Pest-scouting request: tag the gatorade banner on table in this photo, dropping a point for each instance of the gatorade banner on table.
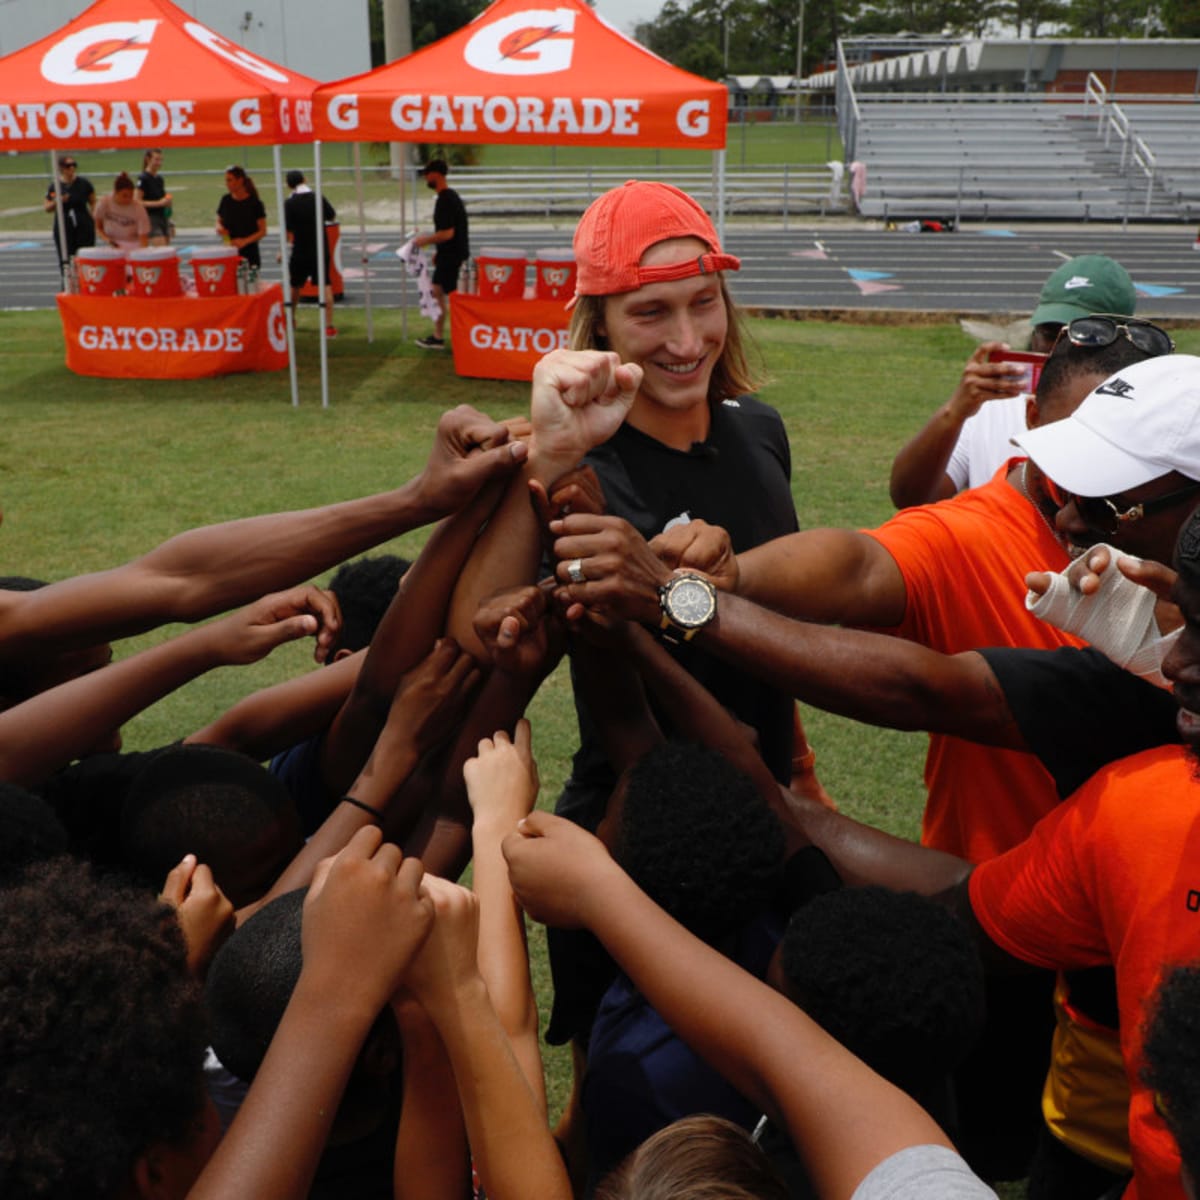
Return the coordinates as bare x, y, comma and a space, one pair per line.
124, 337
503, 339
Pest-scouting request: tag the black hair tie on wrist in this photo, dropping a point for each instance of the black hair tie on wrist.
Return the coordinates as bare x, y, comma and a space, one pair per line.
367, 808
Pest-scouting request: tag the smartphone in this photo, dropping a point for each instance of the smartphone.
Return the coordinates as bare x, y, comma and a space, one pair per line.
1026, 358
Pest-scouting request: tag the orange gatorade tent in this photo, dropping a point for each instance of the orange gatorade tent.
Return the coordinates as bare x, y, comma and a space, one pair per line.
143, 72
532, 75
138, 73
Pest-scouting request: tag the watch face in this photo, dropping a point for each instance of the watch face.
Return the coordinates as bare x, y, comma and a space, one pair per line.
690, 603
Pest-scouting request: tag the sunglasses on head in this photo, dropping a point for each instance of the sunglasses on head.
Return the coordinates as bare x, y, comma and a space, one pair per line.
1102, 329
1103, 515
66, 165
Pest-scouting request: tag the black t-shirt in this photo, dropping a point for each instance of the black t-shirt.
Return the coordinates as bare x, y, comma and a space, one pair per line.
450, 213
77, 213
152, 187
300, 220
1078, 711
738, 478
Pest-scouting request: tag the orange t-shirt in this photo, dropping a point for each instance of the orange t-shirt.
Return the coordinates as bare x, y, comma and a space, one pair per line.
1111, 876
964, 562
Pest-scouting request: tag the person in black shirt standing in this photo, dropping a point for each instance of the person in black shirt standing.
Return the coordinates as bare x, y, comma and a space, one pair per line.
300, 221
78, 200
452, 241
241, 217
152, 192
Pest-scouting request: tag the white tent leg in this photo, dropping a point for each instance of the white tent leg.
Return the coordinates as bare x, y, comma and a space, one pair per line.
319, 213
288, 312
403, 239
719, 169
362, 239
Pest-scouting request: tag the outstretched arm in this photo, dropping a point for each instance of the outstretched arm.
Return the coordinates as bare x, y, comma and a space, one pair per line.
56, 726
842, 1117
209, 570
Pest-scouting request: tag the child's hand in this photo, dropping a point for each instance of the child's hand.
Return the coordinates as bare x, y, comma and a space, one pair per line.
204, 912
447, 959
502, 778
432, 697
365, 917
557, 870
253, 632
511, 625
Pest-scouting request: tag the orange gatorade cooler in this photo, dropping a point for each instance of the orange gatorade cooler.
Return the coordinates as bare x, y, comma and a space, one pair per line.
216, 271
154, 273
555, 274
101, 270
501, 273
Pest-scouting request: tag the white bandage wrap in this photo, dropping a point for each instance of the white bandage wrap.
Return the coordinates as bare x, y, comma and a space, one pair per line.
1117, 619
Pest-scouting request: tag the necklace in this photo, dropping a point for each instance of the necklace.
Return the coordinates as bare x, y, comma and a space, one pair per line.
1023, 488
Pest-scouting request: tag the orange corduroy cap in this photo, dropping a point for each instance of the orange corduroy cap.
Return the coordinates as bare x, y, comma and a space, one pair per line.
620, 226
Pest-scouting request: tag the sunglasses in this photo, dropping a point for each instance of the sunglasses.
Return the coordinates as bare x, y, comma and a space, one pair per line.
1102, 329
67, 166
1103, 515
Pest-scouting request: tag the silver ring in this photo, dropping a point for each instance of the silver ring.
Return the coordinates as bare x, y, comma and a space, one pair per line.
575, 571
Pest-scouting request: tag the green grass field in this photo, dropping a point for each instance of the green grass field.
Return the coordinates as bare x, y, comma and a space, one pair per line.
92, 472
195, 176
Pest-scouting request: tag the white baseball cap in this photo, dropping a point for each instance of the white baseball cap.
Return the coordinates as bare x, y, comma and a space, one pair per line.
1139, 424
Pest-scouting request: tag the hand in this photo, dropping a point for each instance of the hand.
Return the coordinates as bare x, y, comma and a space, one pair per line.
447, 960
253, 632
511, 626
204, 913
982, 381
579, 399
700, 547
622, 574
1086, 573
365, 918
502, 778
469, 449
557, 870
432, 697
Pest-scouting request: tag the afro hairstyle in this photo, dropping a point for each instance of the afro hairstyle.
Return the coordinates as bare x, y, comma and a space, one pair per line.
698, 839
217, 805
29, 830
894, 976
1171, 1059
102, 1032
365, 588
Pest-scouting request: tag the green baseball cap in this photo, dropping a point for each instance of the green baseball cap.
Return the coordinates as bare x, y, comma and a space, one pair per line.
1089, 284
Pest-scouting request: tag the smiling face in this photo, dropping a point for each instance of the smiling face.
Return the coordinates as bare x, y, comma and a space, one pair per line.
675, 332
234, 184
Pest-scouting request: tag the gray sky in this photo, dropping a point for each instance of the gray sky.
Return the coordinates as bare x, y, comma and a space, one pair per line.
625, 14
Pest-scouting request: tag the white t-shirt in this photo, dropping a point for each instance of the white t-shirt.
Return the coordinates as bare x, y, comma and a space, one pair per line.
985, 444
923, 1173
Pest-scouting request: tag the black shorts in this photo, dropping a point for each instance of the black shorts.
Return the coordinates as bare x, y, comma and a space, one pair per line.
445, 275
159, 226
302, 268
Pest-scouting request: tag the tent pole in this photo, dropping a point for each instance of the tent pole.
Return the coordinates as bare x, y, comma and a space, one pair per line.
62, 224
719, 168
322, 271
288, 311
362, 239
403, 239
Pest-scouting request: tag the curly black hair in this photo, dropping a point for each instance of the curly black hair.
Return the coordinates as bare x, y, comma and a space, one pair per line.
1171, 1058
894, 976
102, 1032
696, 836
364, 589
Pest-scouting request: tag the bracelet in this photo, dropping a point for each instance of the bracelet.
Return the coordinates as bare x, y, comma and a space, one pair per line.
367, 808
805, 761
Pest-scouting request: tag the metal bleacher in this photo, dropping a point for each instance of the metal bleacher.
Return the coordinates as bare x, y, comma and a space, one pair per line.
1014, 156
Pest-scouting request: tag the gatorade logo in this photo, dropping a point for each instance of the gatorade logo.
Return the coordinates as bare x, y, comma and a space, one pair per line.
536, 41
277, 328
112, 52
234, 53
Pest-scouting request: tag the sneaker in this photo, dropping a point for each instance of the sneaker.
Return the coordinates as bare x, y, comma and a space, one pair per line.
431, 343
330, 331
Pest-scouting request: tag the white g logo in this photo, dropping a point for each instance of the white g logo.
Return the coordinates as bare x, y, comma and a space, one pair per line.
109, 53
537, 41
692, 118
276, 329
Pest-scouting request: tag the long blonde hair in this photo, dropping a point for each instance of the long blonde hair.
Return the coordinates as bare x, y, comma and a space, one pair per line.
731, 376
